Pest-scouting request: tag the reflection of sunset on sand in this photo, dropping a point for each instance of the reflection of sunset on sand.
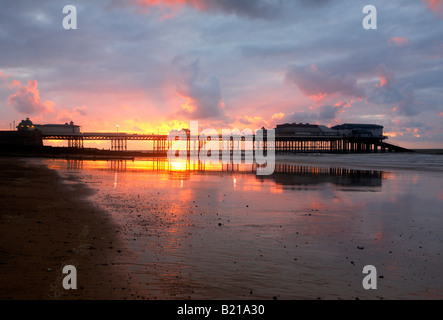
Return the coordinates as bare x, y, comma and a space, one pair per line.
218, 232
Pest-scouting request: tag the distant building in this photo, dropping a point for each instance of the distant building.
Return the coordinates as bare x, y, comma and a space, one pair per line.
303, 130
25, 125
49, 129
359, 130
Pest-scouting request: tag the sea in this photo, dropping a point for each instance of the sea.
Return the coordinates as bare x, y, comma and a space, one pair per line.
307, 231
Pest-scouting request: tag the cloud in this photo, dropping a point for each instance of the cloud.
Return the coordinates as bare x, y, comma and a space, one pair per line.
80, 110
67, 115
408, 104
325, 113
3, 76
253, 121
389, 92
278, 116
253, 9
203, 95
316, 83
27, 100
256, 9
385, 75
399, 41
435, 5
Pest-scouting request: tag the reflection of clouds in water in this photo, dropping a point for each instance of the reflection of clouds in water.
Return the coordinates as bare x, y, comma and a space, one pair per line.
215, 232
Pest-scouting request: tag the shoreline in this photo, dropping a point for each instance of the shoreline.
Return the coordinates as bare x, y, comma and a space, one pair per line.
47, 222
360, 162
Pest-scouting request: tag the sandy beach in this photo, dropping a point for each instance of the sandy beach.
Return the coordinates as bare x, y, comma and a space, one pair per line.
150, 229
46, 224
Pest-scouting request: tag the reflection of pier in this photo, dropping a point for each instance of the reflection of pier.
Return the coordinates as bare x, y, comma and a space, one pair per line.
161, 144
74, 164
284, 174
115, 165
118, 165
288, 174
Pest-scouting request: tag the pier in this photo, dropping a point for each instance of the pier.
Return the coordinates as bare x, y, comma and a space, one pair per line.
281, 145
288, 138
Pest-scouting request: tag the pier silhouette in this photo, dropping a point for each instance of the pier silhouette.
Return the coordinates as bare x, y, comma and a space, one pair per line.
289, 138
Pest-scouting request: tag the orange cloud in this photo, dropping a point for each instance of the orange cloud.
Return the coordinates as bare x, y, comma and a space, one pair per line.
434, 5
189, 106
251, 9
399, 41
169, 7
27, 100
385, 76
414, 132
343, 104
393, 134
440, 114
251, 122
278, 116
172, 5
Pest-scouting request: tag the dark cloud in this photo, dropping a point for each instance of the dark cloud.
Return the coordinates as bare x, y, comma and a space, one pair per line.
203, 94
252, 9
255, 9
321, 114
314, 82
408, 105
401, 99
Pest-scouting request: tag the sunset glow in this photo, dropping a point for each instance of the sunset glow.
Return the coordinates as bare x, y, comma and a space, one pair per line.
159, 64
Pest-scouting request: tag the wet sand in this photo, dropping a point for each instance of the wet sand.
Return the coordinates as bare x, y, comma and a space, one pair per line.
374, 161
171, 234
303, 234
46, 224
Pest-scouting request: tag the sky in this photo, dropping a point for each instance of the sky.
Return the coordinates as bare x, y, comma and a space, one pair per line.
155, 65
